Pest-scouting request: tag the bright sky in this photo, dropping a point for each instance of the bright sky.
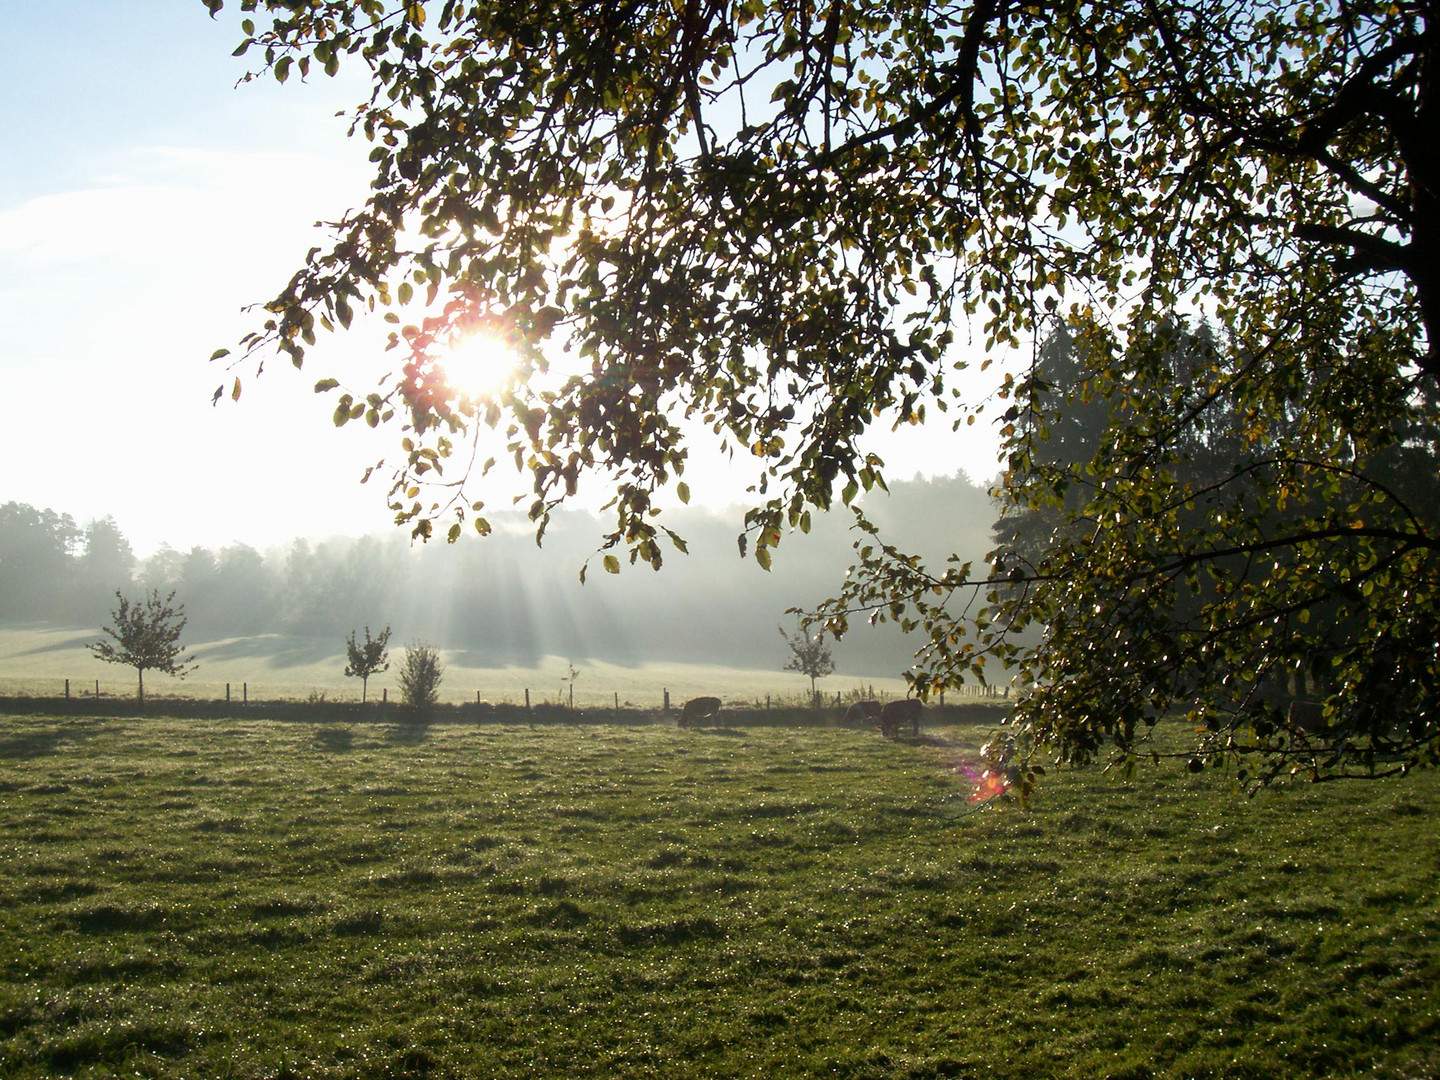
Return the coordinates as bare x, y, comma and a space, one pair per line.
144, 201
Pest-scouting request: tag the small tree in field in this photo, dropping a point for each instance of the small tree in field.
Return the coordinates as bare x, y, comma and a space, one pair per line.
146, 637
420, 676
808, 655
368, 659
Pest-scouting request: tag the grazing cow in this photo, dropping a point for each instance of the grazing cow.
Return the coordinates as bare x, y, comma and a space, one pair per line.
862, 713
697, 710
1307, 717
897, 713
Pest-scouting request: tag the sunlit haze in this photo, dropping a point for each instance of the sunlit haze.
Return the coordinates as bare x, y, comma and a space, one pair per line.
145, 200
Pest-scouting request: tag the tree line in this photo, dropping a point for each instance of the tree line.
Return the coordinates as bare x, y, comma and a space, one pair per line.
501, 601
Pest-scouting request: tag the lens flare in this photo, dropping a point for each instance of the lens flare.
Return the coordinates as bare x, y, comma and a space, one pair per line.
988, 785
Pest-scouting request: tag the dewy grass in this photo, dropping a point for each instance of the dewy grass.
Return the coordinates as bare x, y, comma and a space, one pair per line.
267, 900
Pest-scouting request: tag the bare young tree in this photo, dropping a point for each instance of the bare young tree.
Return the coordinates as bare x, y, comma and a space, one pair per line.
146, 637
808, 655
367, 659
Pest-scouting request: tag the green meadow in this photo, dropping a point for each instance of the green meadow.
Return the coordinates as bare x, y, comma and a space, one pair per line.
273, 900
37, 662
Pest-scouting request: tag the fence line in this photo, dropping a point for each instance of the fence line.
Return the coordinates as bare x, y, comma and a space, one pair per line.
246, 692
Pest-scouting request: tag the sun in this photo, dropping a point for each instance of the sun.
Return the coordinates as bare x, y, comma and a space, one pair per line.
480, 364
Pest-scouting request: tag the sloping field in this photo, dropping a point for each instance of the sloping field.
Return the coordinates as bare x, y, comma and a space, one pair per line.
267, 899
38, 661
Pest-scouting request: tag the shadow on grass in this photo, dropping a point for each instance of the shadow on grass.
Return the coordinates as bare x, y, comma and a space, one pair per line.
929, 740
274, 649
334, 738
500, 655
408, 730
79, 641
20, 746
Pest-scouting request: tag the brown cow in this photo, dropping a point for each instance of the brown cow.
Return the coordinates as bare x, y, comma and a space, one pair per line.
894, 714
697, 710
862, 713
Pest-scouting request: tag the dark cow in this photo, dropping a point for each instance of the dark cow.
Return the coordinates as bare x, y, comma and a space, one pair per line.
862, 713
1307, 717
895, 714
697, 710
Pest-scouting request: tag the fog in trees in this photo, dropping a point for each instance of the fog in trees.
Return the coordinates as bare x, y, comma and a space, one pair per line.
499, 600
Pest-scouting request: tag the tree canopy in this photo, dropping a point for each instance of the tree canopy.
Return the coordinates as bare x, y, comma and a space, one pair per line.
146, 636
368, 658
791, 222
809, 655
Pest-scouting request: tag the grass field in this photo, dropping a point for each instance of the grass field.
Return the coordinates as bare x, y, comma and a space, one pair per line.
37, 661
279, 900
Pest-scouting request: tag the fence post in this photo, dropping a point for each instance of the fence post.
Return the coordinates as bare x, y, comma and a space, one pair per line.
667, 699
245, 693
67, 689
97, 688
227, 693
617, 700
384, 695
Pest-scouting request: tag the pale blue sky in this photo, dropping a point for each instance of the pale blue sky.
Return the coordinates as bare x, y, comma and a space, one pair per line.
144, 199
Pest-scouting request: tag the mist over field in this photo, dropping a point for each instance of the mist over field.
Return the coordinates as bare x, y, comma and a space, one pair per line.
492, 603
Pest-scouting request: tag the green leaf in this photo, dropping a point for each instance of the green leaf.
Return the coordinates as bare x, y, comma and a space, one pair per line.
612, 564
326, 384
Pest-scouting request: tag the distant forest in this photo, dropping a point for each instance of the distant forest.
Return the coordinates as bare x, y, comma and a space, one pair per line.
497, 600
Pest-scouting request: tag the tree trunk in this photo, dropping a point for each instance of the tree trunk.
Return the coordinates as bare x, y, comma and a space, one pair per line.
141, 672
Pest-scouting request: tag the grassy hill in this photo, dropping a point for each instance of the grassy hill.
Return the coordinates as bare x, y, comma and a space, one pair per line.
37, 661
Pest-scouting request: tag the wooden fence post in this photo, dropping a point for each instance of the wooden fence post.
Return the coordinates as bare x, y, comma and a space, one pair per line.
97, 688
67, 689
245, 693
227, 693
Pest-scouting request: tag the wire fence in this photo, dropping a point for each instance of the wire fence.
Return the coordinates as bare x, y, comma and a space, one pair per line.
641, 696
113, 697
